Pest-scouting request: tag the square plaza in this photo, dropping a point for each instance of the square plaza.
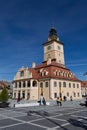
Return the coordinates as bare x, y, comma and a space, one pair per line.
69, 116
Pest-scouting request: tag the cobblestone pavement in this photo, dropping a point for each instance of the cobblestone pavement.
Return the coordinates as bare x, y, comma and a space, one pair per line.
69, 116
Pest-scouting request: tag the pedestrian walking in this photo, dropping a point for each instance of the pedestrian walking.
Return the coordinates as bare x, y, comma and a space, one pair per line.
58, 101
44, 101
71, 98
41, 99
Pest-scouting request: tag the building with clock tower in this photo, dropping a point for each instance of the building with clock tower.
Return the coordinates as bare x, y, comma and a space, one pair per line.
53, 48
51, 78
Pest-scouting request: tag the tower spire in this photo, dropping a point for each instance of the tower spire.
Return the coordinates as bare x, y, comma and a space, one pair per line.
53, 34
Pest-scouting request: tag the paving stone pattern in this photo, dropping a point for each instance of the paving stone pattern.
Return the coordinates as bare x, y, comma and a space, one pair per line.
66, 117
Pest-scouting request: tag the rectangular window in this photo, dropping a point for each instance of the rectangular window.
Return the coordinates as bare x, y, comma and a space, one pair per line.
74, 94
46, 84
73, 85
67, 94
69, 85
55, 84
77, 85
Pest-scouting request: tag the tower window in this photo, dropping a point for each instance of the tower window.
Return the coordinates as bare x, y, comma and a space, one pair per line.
48, 55
49, 47
59, 47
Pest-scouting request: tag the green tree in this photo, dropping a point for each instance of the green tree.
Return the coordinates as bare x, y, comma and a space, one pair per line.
0, 96
4, 95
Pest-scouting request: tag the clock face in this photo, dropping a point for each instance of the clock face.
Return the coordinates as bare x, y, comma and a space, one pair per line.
49, 47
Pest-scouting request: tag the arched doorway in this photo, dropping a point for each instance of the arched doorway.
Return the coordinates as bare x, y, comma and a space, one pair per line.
23, 94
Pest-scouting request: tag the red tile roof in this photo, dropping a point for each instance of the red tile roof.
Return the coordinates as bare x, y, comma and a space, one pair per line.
51, 69
43, 71
84, 84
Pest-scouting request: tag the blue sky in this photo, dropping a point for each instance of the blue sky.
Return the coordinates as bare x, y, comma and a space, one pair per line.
25, 25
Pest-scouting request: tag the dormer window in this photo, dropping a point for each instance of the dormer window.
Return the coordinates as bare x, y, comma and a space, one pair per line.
22, 74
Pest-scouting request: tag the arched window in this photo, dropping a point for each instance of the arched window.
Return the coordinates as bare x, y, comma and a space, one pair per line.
21, 73
73, 85
64, 84
34, 83
23, 83
19, 84
67, 94
28, 83
74, 94
15, 85
23, 94
69, 85
78, 94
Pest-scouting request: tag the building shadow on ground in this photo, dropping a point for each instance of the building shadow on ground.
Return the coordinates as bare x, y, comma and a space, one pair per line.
78, 123
46, 115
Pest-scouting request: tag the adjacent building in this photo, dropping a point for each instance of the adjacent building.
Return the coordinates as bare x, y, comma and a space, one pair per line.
51, 78
4, 84
84, 88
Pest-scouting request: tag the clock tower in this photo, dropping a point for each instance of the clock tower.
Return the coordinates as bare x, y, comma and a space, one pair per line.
53, 48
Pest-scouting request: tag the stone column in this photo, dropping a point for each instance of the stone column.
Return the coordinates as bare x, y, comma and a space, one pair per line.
26, 94
17, 94
21, 93
31, 83
26, 84
17, 84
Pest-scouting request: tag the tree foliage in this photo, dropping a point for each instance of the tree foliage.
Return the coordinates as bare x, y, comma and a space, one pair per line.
4, 95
